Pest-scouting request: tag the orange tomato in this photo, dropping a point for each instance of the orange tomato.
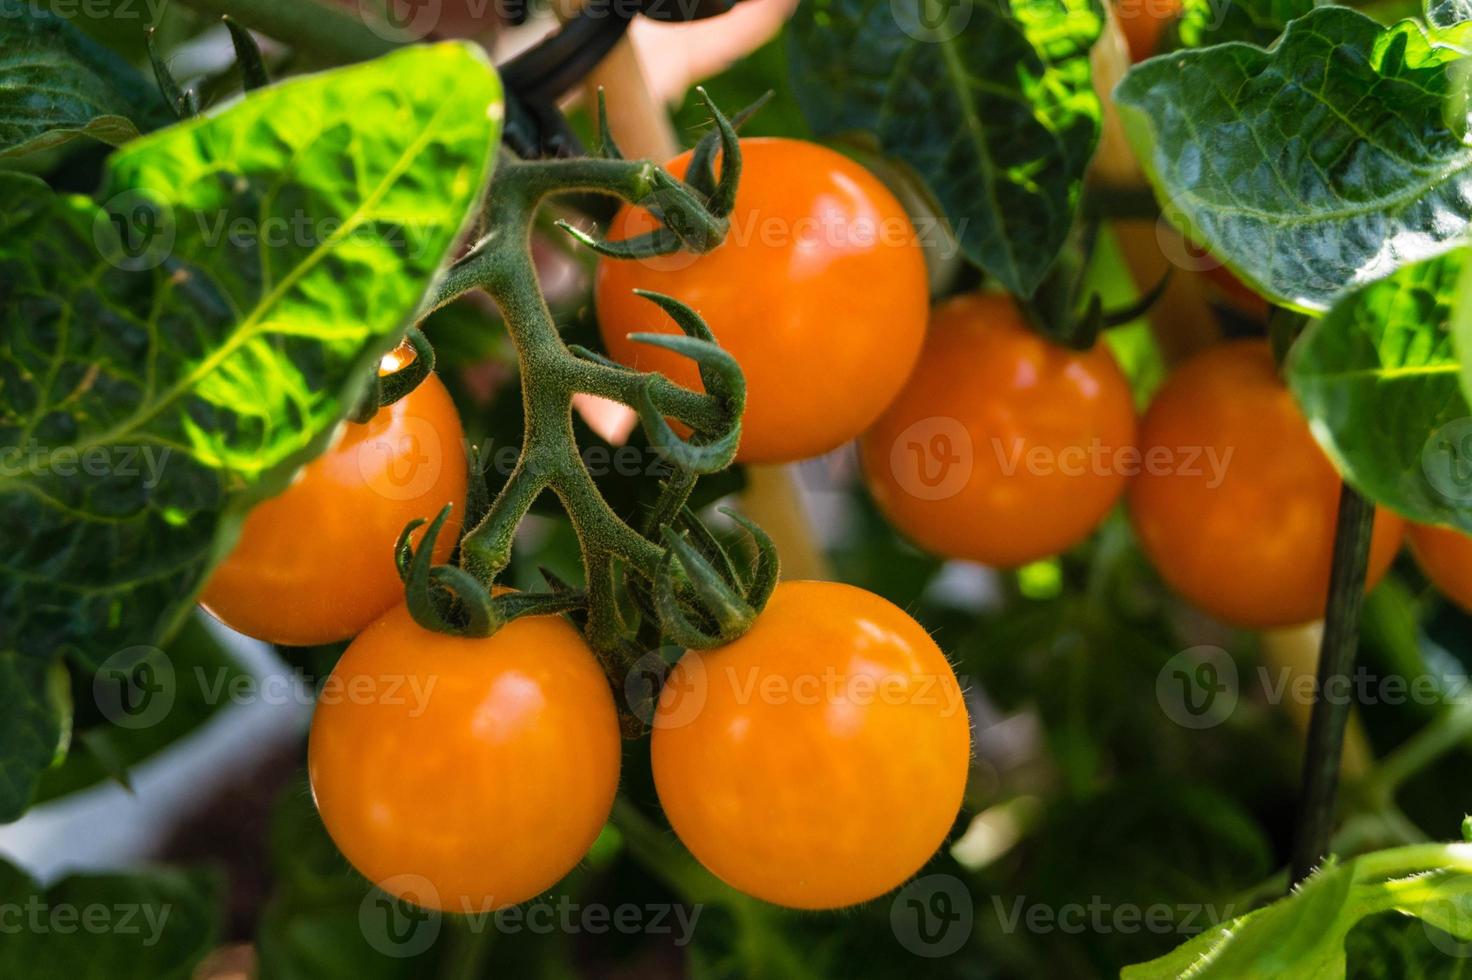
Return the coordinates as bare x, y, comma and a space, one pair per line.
1003, 447
1236, 503
315, 563
1143, 22
465, 774
819, 291
1445, 555
820, 759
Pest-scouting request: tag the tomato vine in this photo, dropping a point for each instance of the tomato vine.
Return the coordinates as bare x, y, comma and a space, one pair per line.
695, 592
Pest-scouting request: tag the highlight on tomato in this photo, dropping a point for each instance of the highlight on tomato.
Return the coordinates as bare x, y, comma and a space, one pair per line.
465, 774
1236, 502
1003, 447
315, 563
819, 760
819, 291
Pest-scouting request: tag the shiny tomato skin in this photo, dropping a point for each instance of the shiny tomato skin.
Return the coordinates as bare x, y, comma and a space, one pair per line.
475, 772
1003, 447
819, 760
819, 291
315, 564
1248, 538
1445, 555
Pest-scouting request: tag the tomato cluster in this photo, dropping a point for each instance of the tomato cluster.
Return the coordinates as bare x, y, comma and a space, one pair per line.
821, 758
469, 774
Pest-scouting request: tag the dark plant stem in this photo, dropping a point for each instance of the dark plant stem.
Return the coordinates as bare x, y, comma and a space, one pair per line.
1332, 708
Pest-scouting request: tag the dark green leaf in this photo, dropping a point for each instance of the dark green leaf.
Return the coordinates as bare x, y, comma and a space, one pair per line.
155, 925
1322, 163
173, 357
31, 729
56, 85
994, 108
1378, 380
199, 678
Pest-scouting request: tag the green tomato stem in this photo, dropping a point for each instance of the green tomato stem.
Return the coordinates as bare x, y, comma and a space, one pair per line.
552, 374
1450, 729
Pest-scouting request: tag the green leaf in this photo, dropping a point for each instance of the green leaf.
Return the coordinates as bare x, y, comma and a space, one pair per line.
195, 685
1314, 166
1303, 935
155, 925
1207, 22
995, 109
1378, 380
56, 84
175, 356
31, 729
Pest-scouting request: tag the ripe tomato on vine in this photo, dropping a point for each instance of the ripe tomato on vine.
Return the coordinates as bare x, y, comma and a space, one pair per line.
1238, 511
1003, 447
467, 774
819, 760
819, 291
315, 564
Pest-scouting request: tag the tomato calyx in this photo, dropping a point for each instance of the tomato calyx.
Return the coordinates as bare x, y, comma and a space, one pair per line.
725, 601
692, 213
448, 599
675, 572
